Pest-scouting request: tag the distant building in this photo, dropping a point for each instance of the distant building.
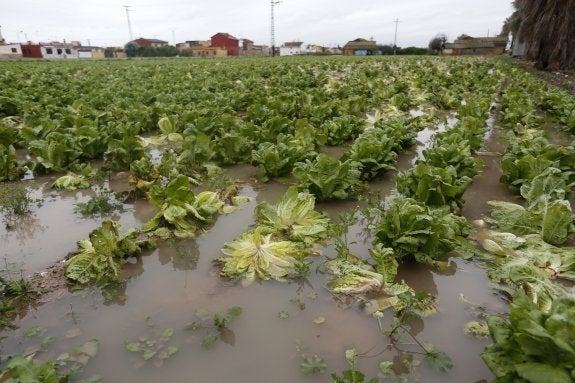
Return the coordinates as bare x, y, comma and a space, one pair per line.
10, 51
291, 48
335, 50
202, 51
113, 53
248, 49
89, 52
467, 45
227, 42
313, 49
194, 43
360, 47
258, 51
154, 43
246, 45
58, 50
31, 51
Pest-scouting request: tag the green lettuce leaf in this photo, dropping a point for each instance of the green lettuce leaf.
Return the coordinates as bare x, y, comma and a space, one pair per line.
328, 178
71, 181
293, 218
255, 255
99, 258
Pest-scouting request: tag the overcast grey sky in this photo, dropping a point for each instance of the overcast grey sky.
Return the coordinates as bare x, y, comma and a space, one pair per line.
325, 22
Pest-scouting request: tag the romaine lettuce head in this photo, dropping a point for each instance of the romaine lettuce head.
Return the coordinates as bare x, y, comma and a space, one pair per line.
255, 255
294, 217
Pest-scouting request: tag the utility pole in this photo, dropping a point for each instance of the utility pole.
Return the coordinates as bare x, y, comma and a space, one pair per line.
395, 37
129, 23
174, 36
273, 28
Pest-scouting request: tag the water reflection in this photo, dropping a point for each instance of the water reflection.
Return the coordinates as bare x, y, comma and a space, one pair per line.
269, 192
421, 277
183, 255
22, 228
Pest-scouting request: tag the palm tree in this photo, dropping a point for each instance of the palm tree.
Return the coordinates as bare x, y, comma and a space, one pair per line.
548, 28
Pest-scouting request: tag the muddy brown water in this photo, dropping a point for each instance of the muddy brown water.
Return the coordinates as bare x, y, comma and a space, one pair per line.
173, 285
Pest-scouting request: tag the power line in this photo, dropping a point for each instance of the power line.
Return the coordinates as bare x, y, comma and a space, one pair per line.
129, 23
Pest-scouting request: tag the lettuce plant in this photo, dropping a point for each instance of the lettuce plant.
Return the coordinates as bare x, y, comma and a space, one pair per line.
55, 153
254, 254
275, 160
169, 133
352, 276
328, 178
533, 345
416, 231
71, 181
293, 217
99, 258
181, 213
374, 151
434, 186
341, 130
547, 210
10, 167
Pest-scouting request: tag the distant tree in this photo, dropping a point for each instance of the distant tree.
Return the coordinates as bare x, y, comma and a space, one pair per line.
385, 49
412, 51
132, 49
548, 29
437, 43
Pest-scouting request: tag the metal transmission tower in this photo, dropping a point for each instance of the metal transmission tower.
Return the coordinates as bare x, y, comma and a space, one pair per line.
395, 37
273, 28
129, 23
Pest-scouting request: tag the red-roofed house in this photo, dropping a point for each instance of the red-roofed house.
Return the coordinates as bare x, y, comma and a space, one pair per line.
155, 43
228, 42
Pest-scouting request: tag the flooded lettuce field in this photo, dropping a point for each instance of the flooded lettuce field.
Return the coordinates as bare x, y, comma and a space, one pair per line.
324, 220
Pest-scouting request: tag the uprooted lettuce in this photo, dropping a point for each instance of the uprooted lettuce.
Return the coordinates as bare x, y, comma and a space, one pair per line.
181, 213
99, 258
528, 264
552, 219
293, 218
351, 275
547, 210
71, 181
256, 255
533, 345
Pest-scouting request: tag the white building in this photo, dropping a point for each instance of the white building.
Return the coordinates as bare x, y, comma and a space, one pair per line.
291, 48
10, 51
57, 50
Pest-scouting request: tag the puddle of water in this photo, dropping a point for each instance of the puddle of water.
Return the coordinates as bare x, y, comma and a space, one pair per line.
486, 185
170, 284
